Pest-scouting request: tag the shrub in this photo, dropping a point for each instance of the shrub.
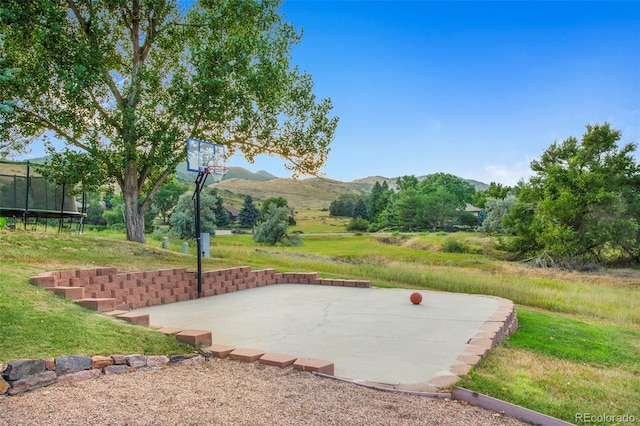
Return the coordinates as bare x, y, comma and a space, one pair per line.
273, 228
451, 245
358, 225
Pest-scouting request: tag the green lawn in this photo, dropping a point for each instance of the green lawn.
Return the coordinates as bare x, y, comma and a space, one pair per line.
577, 349
563, 366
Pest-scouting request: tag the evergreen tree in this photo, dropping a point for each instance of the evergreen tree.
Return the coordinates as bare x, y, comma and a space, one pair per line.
222, 216
249, 214
360, 210
378, 200
343, 206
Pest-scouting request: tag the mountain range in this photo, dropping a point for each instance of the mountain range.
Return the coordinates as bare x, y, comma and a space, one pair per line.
312, 193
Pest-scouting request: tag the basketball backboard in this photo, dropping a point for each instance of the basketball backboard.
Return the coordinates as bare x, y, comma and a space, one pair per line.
203, 156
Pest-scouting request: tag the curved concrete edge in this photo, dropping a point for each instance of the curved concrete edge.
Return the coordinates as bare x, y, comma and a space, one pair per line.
505, 408
496, 329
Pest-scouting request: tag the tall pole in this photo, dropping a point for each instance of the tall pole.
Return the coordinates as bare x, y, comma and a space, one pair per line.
202, 177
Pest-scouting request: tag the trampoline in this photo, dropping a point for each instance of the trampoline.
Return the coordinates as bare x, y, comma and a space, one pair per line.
28, 197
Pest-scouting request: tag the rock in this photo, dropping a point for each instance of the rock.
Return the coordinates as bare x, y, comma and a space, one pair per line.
189, 361
116, 369
176, 359
119, 359
205, 353
32, 382
23, 368
4, 386
136, 361
101, 362
81, 375
157, 361
67, 364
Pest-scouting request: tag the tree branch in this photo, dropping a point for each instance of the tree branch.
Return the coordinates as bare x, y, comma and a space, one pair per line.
104, 113
48, 124
86, 29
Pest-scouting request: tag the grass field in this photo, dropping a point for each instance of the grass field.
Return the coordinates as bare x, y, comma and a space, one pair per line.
577, 349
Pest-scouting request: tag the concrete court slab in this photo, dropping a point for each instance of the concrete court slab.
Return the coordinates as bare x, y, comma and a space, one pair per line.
371, 334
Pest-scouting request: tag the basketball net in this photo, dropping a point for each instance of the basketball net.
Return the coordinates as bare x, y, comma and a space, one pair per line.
216, 172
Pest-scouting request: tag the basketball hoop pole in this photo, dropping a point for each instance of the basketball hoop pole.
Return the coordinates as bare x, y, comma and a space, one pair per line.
200, 181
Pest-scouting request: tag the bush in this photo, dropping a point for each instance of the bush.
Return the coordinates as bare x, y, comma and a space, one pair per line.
451, 245
273, 228
358, 225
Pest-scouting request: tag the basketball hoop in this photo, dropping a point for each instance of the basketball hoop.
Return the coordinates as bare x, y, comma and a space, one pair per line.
216, 172
207, 159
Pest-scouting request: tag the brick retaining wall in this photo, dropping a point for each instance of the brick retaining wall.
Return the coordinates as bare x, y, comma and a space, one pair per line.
104, 289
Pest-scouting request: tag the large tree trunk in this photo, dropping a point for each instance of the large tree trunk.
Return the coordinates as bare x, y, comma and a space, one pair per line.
134, 214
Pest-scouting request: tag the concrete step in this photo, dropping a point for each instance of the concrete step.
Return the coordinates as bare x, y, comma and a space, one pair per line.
98, 304
74, 293
195, 337
135, 318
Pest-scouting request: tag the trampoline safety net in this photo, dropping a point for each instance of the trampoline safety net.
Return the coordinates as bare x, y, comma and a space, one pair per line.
24, 193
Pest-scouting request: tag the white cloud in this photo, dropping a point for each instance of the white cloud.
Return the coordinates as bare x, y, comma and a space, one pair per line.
508, 174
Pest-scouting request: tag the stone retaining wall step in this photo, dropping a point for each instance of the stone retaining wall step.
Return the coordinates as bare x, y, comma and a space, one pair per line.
221, 351
170, 330
135, 318
246, 355
98, 304
73, 293
313, 364
277, 359
195, 337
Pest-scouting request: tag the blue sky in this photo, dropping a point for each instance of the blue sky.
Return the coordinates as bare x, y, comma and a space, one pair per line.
475, 89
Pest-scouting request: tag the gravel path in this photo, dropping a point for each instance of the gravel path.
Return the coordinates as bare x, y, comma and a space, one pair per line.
225, 392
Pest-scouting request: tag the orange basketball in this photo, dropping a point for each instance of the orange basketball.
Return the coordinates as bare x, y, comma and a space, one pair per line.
415, 298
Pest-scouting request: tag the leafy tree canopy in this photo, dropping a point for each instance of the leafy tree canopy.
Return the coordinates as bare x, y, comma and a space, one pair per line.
583, 203
167, 197
183, 218
497, 209
272, 229
406, 182
495, 191
462, 192
127, 82
273, 201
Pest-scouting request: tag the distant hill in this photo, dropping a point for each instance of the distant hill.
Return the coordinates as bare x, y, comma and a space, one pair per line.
186, 176
300, 193
371, 180
312, 192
